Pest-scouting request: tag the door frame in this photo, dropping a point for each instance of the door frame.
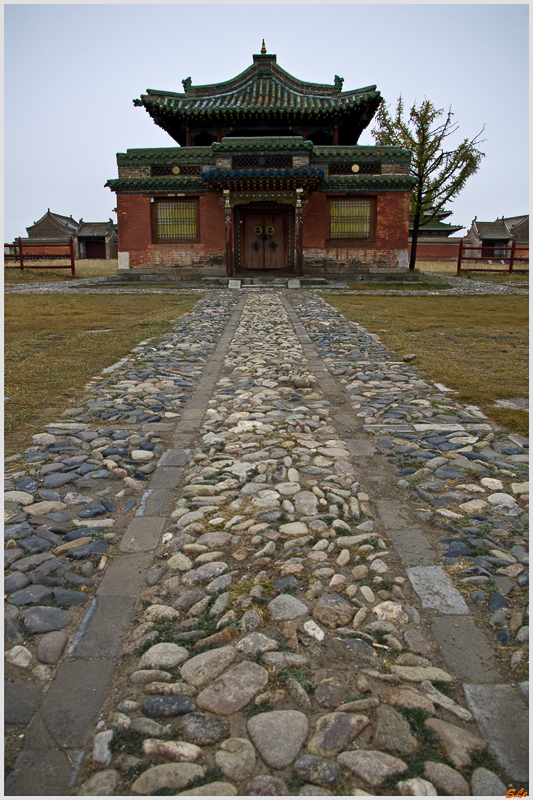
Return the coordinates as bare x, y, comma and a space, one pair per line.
264, 205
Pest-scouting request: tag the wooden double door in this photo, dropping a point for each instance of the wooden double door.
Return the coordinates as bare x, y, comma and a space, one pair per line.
264, 239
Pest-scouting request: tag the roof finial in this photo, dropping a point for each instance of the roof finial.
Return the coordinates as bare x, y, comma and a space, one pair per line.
263, 49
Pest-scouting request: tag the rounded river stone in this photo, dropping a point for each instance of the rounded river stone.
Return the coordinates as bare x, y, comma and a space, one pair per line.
200, 728
278, 736
168, 706
51, 647
42, 619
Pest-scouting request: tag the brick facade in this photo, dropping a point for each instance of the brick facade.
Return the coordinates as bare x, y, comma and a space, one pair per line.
135, 236
387, 249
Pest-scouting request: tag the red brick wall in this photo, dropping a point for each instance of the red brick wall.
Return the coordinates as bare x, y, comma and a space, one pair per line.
387, 250
61, 251
135, 235
437, 252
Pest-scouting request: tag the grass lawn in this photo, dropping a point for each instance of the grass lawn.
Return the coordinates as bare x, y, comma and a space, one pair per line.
501, 276
475, 345
85, 268
409, 286
54, 344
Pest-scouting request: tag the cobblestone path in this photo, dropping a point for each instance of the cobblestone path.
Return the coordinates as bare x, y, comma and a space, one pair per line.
263, 558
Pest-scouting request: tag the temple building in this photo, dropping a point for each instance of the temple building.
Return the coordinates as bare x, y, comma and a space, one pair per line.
266, 176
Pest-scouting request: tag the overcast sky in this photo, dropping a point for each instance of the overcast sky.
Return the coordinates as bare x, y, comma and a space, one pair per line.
71, 72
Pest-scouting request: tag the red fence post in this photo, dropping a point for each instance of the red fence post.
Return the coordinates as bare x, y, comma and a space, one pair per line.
511, 260
460, 257
20, 256
72, 262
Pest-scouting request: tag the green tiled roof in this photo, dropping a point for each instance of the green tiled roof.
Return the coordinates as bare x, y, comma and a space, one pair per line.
362, 152
446, 228
162, 154
232, 144
256, 91
164, 183
355, 182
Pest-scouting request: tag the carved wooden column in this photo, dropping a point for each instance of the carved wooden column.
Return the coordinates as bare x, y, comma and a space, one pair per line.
219, 133
298, 235
229, 235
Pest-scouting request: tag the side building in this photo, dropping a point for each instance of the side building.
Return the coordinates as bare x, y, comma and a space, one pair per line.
268, 176
91, 239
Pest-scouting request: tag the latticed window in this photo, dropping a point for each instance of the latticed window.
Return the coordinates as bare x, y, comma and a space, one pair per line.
350, 219
176, 219
262, 162
168, 170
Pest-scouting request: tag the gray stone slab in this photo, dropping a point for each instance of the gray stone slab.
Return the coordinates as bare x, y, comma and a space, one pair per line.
100, 633
393, 515
158, 426
21, 701
193, 412
152, 503
71, 705
294, 283
166, 478
502, 718
234, 284
173, 458
125, 576
436, 590
465, 649
524, 686
360, 447
142, 534
43, 773
413, 547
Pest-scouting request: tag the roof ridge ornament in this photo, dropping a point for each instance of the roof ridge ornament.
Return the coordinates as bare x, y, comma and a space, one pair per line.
187, 84
263, 49
338, 83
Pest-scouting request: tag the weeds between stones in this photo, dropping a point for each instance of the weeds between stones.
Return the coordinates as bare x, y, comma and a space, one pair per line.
252, 709
482, 758
429, 748
130, 743
299, 674
444, 687
210, 775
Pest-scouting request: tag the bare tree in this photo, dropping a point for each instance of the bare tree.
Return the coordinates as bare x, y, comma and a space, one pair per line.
440, 173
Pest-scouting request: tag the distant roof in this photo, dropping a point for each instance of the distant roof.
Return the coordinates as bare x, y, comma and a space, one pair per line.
68, 221
512, 221
444, 228
493, 230
94, 228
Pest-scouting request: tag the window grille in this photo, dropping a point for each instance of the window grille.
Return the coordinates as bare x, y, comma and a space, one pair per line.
350, 219
261, 162
168, 170
346, 169
176, 220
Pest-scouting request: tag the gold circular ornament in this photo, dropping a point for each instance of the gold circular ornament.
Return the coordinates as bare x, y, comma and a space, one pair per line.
270, 230
258, 230
176, 170
355, 167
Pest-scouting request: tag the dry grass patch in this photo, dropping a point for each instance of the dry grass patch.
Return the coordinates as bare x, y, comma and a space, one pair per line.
475, 345
502, 274
55, 343
85, 268
409, 286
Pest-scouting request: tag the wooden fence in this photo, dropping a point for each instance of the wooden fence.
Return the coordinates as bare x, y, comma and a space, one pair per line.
511, 254
24, 259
